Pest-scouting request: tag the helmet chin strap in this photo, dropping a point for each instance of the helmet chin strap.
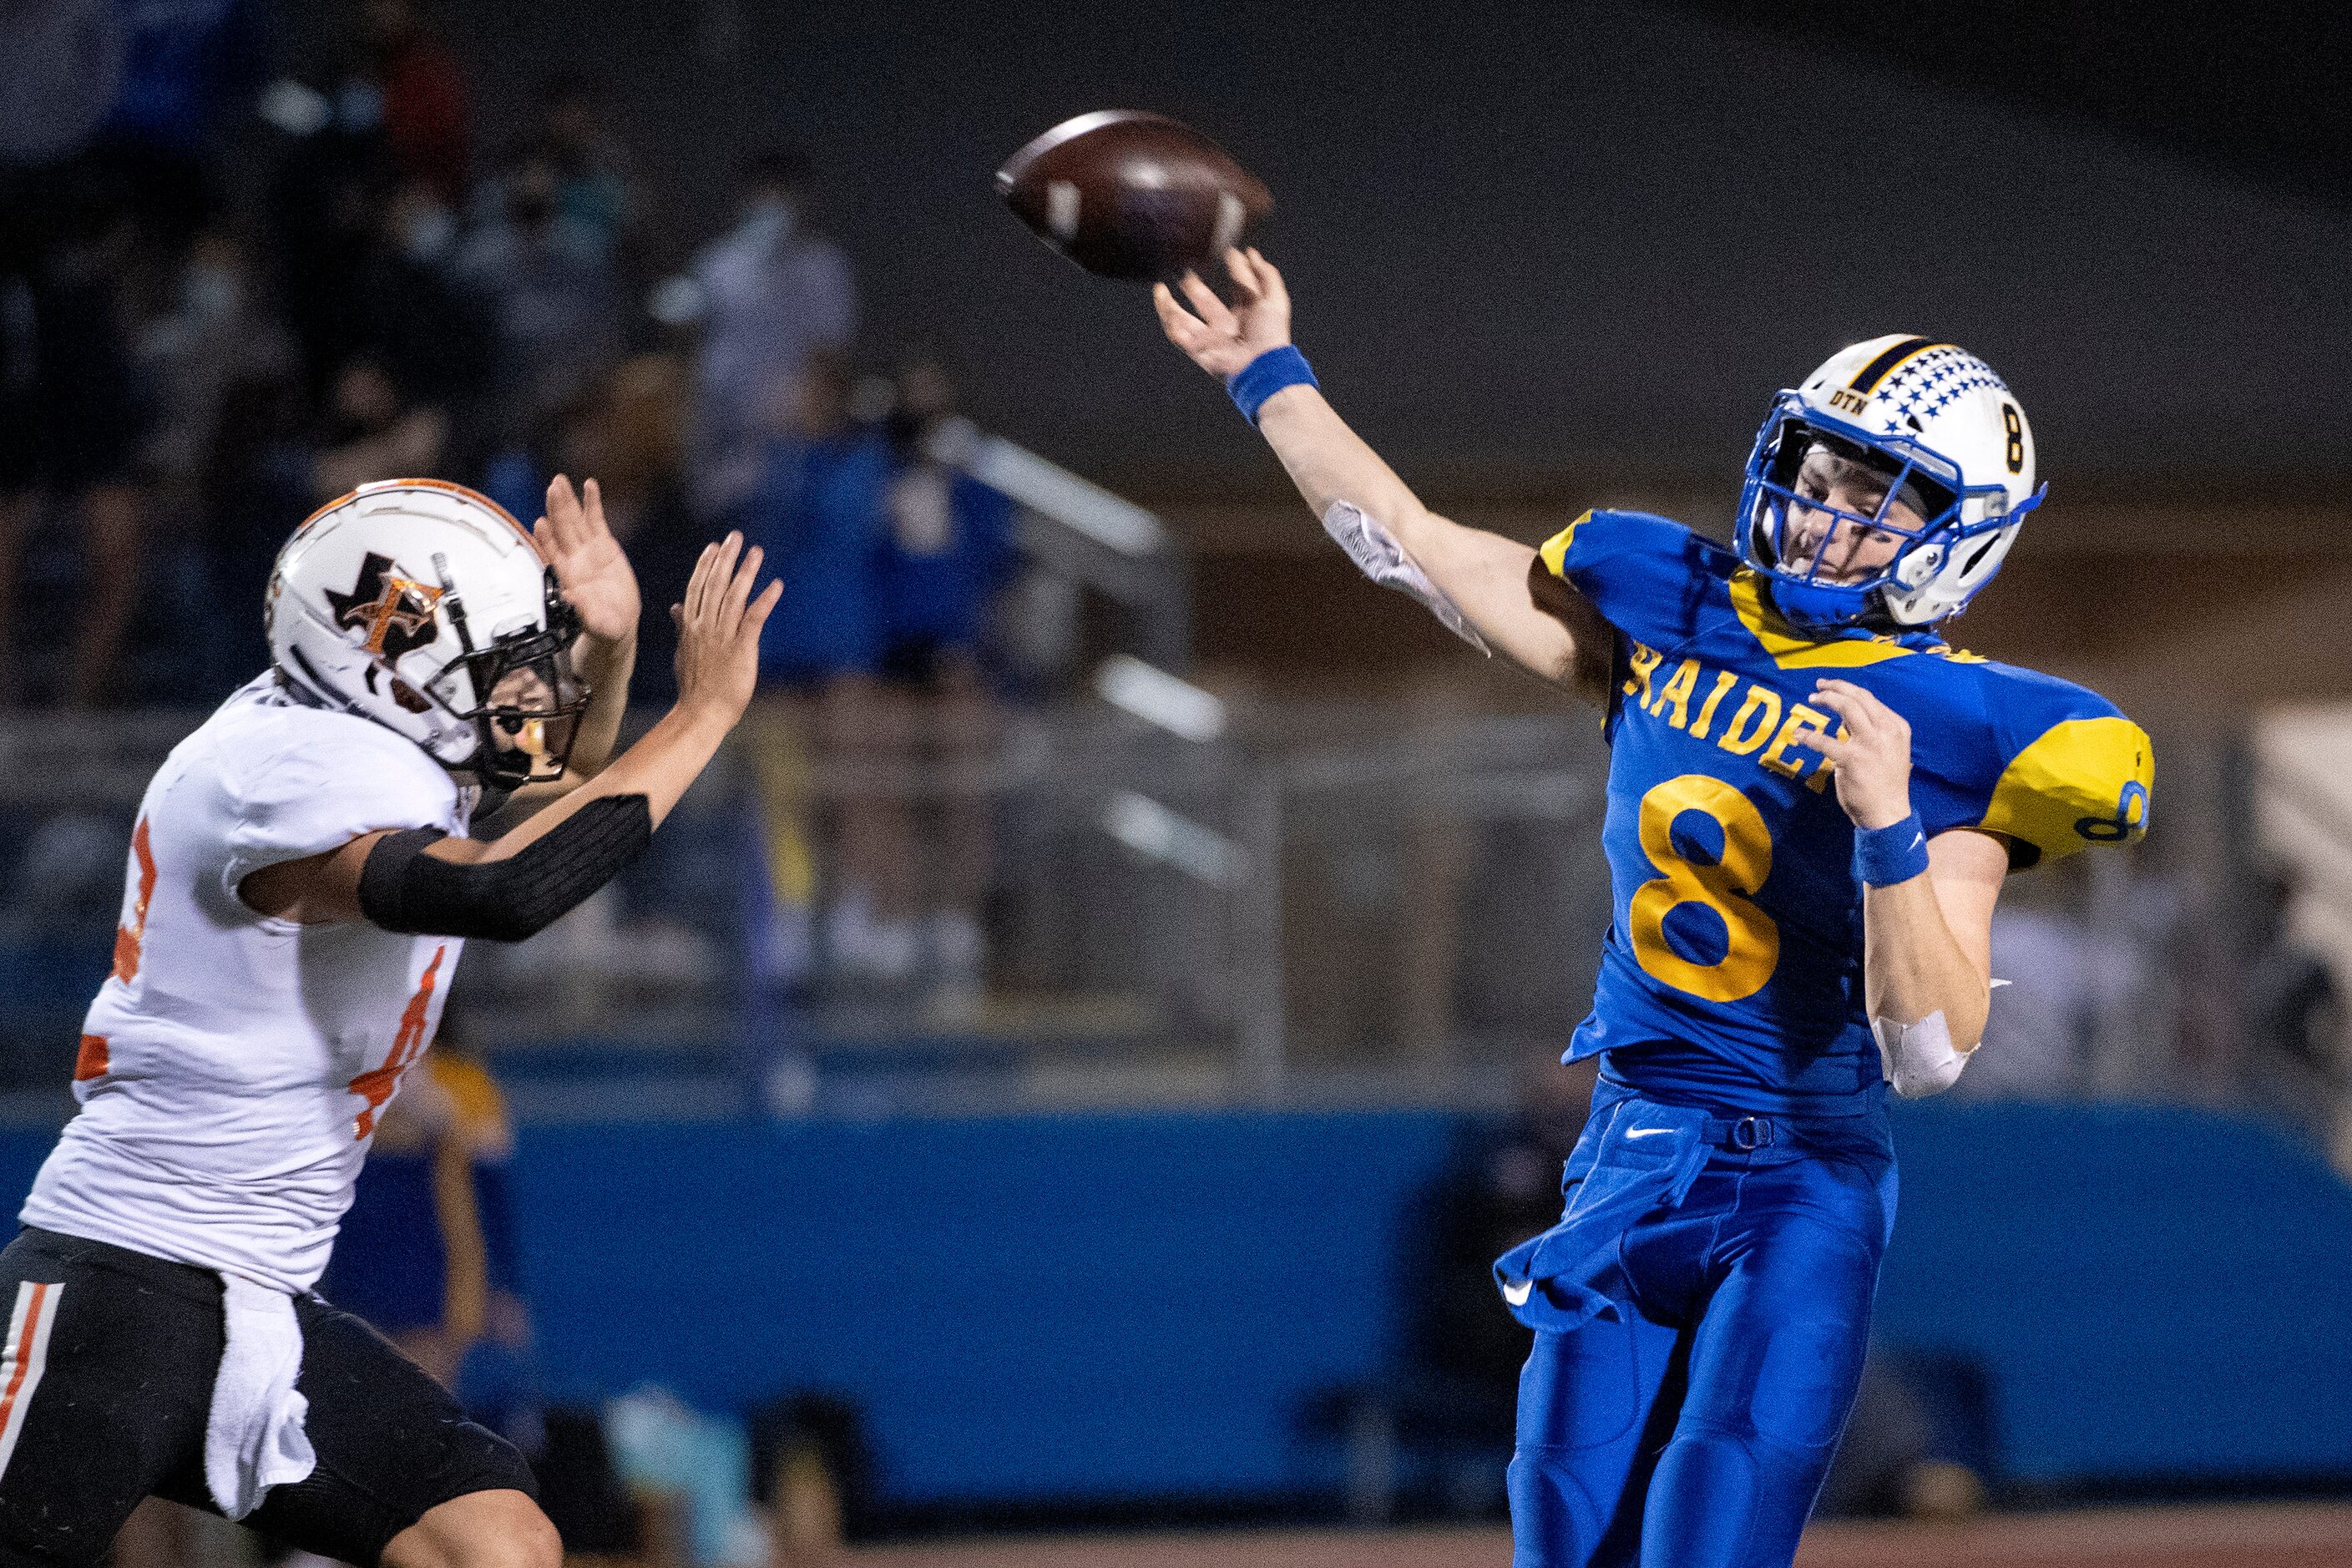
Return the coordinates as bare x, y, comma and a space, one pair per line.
452, 604
1823, 606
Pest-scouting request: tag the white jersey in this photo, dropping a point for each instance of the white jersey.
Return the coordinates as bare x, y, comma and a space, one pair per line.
232, 1065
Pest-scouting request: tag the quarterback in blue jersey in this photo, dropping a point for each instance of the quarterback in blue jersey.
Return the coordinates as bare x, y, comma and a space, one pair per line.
1812, 802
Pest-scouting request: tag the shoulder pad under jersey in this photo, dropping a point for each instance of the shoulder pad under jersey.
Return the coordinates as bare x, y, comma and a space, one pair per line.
2074, 771
1651, 578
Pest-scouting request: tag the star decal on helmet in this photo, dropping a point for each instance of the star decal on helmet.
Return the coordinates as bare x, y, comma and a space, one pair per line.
396, 611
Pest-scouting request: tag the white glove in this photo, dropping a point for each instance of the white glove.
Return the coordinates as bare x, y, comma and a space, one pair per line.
1379, 556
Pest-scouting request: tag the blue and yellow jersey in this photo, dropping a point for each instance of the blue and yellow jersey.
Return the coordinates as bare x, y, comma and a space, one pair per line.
1732, 972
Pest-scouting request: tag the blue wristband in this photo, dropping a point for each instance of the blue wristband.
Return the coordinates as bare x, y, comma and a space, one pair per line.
1263, 376
1885, 855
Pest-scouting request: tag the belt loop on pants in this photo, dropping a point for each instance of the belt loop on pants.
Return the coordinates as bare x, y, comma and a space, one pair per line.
1744, 1133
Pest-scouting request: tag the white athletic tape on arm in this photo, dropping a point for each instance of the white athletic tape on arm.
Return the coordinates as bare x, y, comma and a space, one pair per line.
1378, 555
1919, 1058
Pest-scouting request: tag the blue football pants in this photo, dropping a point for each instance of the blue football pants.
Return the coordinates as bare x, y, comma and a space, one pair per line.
1692, 1426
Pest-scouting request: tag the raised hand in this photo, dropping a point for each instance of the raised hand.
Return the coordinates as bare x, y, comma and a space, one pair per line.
1221, 338
1871, 752
591, 571
719, 630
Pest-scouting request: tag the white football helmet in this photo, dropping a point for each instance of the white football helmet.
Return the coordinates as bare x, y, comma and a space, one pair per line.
1949, 439
426, 606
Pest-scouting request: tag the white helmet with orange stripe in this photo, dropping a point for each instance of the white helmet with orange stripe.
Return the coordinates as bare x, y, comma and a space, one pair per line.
426, 606
1942, 461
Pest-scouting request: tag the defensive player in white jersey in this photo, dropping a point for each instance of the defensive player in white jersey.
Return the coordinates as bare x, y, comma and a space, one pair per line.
300, 882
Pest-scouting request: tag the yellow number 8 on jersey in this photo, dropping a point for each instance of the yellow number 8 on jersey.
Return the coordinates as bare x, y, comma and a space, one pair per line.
1752, 944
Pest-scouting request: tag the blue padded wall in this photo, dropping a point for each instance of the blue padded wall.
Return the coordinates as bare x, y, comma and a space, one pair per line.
1032, 1307
2157, 1293
1089, 1306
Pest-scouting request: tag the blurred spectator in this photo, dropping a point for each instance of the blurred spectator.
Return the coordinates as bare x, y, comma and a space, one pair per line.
545, 284
1917, 1443
819, 513
258, 484
327, 209
667, 1451
64, 74
812, 1470
2292, 1017
585, 1496
638, 456
191, 70
768, 296
407, 306
373, 433
207, 334
2064, 994
948, 548
420, 95
204, 338
362, 208
2042, 1028
596, 189
947, 551
72, 416
1448, 1403
628, 433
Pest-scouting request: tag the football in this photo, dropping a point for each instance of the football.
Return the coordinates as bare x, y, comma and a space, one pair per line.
1126, 193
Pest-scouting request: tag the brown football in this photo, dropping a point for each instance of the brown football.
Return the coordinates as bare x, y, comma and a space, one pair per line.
1127, 194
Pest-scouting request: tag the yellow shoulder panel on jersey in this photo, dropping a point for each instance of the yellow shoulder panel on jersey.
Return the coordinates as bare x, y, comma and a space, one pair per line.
1555, 549
2084, 782
1792, 651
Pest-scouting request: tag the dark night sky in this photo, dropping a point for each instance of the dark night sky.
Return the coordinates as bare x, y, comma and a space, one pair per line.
1525, 240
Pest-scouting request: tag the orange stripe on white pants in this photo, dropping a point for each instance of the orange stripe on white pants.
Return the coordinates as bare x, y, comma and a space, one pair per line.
20, 1364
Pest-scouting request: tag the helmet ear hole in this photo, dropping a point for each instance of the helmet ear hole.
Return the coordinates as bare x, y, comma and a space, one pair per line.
1976, 556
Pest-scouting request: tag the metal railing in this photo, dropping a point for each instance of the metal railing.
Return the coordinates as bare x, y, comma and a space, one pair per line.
1320, 899
1181, 898
1085, 535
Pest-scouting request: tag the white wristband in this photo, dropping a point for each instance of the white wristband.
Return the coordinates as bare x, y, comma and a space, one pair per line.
1378, 555
1919, 1058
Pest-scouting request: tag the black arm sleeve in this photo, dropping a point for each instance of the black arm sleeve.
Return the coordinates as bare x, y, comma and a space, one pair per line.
403, 888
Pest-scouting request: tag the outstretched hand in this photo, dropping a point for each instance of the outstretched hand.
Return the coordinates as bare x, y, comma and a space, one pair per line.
719, 630
1221, 338
591, 571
